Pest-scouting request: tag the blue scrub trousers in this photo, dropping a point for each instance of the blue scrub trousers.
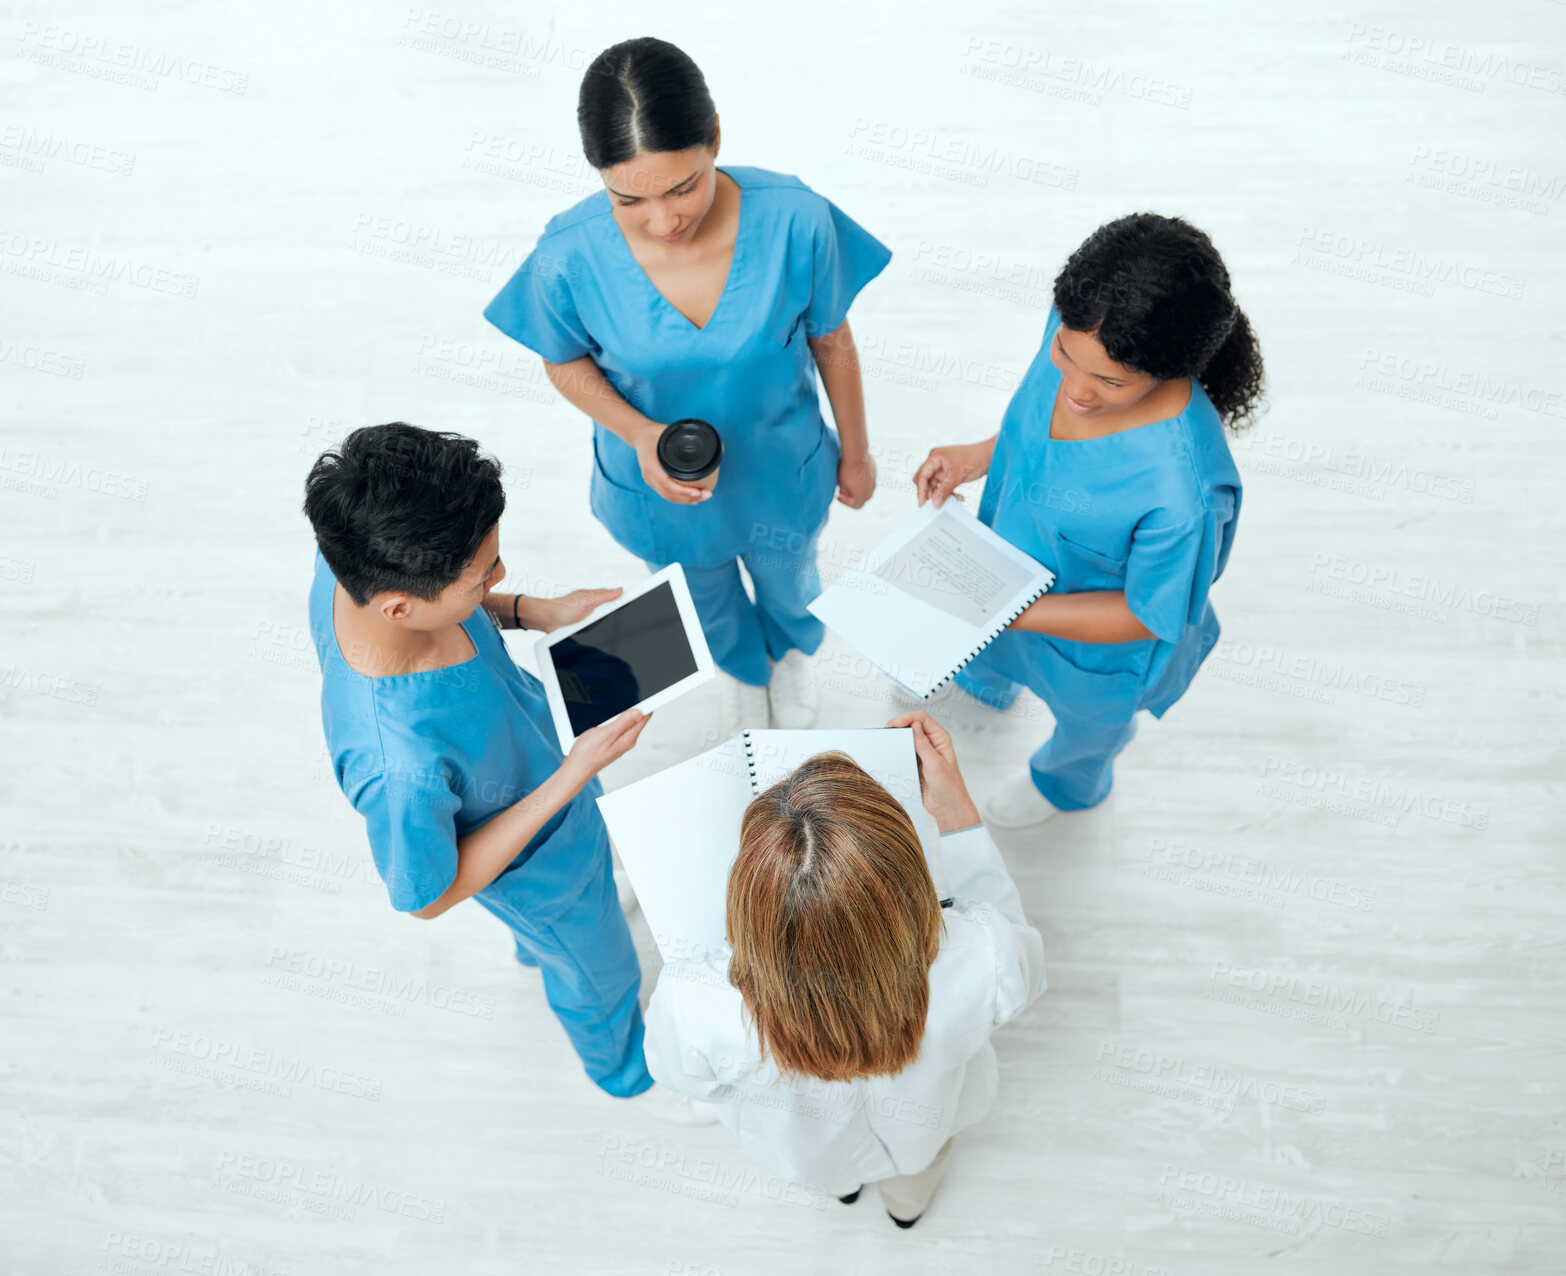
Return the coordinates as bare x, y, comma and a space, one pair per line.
745, 636
591, 974
1075, 767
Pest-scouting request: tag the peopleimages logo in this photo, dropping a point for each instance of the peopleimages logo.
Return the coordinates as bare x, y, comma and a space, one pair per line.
1161, 1073
433, 247
1262, 1205
1326, 465
53, 685
1396, 584
246, 1174
1034, 68
1442, 61
1315, 1000
287, 967
1392, 796
1264, 877
116, 61
35, 146
1307, 677
699, 1176
931, 150
126, 1254
940, 364
90, 268
1360, 256
1428, 380
244, 1065
51, 473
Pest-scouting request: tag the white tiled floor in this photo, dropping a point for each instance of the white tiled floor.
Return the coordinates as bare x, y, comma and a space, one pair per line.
1357, 1068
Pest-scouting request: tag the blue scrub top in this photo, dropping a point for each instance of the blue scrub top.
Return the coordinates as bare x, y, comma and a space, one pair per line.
798, 264
429, 757
1150, 511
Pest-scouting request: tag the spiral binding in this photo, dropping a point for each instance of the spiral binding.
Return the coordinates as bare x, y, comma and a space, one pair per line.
750, 760
994, 634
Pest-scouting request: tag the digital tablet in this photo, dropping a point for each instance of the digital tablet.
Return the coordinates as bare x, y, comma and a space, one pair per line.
640, 651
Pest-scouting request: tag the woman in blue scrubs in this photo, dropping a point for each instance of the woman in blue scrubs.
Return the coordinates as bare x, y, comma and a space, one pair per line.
1113, 470
685, 290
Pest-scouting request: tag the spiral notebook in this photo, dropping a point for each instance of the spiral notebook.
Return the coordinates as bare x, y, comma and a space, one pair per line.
677, 832
932, 596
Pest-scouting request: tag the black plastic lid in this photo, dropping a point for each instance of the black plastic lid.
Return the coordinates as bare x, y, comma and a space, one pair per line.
689, 450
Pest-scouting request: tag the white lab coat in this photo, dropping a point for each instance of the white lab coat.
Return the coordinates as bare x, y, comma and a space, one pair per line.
836, 1135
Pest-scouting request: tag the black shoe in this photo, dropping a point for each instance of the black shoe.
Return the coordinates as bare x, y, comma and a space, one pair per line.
904, 1223
852, 1196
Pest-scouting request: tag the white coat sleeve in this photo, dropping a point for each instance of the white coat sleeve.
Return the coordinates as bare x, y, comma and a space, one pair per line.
975, 871
669, 1042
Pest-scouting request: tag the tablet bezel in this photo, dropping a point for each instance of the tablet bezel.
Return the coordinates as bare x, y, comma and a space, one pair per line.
673, 576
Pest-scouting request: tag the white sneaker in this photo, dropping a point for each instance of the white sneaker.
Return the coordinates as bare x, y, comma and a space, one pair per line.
1019, 805
792, 692
744, 707
674, 1108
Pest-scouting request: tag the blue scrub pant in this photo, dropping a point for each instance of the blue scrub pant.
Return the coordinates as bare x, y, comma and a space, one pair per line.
591, 975
1075, 767
745, 636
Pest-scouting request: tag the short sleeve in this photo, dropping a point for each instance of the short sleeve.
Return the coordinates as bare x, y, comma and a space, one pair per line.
1171, 569
411, 821
844, 258
536, 308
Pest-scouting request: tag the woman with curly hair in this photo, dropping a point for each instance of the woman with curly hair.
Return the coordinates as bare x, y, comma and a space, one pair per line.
1112, 469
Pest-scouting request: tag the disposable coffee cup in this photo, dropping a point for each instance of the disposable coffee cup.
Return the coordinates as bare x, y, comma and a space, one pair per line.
690, 451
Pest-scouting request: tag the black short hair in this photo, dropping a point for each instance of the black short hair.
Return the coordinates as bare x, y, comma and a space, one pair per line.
1156, 293
643, 95
396, 507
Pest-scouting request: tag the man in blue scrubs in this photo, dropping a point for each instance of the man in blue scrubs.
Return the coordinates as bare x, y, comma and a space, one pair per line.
447, 748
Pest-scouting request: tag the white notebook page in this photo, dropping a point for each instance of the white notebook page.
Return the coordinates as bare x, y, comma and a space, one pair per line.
677, 832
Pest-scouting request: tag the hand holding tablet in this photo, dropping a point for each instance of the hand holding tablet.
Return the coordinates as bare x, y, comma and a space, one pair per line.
641, 651
609, 741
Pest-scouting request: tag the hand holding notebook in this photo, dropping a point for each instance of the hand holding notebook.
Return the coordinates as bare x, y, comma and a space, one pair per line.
931, 596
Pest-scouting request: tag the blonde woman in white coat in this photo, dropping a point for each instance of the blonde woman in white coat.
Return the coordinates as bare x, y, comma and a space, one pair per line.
845, 1039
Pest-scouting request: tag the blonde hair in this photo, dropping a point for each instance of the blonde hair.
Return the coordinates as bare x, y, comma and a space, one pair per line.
834, 923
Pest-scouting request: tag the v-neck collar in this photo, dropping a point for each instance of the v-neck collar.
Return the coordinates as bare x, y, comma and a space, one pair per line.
728, 280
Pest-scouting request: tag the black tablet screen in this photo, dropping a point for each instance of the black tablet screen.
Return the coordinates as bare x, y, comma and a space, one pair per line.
632, 653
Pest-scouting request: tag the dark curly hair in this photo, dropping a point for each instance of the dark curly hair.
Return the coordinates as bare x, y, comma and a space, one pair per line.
396, 507
643, 95
1155, 293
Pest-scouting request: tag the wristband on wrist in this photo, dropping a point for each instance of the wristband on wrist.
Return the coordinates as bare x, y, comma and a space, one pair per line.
516, 621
